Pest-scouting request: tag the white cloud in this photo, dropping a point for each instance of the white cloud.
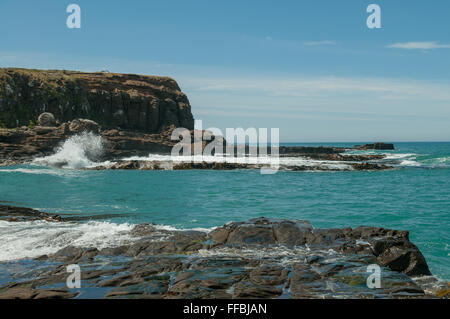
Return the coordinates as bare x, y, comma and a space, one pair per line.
317, 102
320, 87
419, 45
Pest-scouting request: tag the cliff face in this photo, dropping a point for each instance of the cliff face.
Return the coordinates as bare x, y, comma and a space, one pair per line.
135, 102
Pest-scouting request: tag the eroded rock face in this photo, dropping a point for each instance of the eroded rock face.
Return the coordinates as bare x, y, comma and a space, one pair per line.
259, 258
149, 104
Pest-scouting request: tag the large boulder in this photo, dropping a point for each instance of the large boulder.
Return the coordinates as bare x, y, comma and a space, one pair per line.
46, 119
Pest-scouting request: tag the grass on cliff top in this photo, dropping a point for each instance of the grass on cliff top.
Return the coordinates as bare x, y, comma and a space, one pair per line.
70, 75
49, 76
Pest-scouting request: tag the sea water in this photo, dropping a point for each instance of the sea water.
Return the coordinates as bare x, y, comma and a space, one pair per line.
415, 196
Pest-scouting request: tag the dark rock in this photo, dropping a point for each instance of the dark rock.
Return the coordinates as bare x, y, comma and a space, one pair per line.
73, 254
219, 235
403, 256
375, 146
17, 214
292, 233
251, 234
272, 275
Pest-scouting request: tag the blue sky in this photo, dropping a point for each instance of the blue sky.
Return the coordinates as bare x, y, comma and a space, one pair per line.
311, 68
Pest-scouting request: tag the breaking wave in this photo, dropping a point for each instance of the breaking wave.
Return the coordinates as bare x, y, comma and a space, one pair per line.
419, 160
412, 160
78, 151
32, 239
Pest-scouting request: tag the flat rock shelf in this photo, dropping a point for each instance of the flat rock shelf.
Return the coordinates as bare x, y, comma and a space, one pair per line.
258, 258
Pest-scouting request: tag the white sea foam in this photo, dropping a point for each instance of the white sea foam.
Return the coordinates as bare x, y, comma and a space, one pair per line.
410, 163
437, 162
30, 239
78, 151
398, 155
171, 228
35, 171
35, 238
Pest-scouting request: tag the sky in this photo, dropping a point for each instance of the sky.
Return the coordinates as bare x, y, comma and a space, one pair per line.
313, 69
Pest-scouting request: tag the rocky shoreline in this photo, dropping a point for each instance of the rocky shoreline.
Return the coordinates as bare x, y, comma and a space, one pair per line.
170, 165
259, 258
23, 145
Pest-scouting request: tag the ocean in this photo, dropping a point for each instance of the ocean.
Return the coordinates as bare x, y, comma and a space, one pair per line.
415, 196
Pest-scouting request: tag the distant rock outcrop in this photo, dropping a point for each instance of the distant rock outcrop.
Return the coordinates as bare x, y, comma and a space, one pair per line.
149, 104
375, 146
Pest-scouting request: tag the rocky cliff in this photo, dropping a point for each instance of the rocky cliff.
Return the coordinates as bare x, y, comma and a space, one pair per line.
149, 104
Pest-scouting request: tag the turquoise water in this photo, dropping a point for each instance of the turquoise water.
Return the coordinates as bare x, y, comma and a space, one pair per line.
415, 197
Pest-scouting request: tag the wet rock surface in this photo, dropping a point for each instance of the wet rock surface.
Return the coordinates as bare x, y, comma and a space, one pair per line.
259, 258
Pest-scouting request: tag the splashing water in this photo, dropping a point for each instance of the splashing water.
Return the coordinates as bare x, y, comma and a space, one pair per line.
78, 151
37, 238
